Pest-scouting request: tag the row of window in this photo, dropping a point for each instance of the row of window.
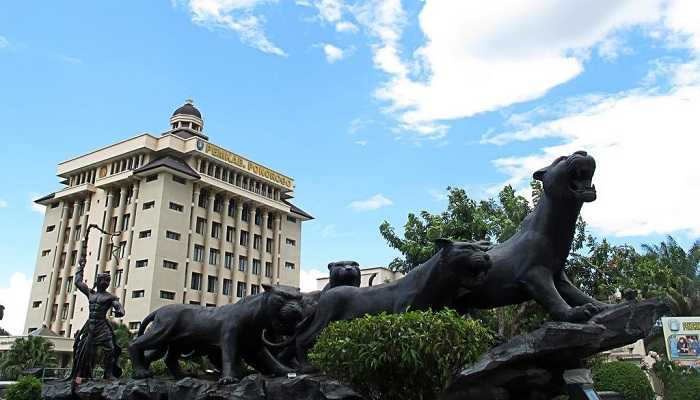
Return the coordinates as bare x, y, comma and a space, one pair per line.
243, 181
212, 287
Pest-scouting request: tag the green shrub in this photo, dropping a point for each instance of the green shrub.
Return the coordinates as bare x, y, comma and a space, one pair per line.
27, 388
401, 356
680, 383
625, 378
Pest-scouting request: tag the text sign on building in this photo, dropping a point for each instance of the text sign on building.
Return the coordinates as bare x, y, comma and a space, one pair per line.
682, 338
240, 162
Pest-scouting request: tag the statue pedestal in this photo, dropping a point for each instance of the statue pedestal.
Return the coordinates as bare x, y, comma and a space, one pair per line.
252, 387
530, 366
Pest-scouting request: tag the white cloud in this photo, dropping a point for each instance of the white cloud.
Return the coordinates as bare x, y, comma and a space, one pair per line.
329, 10
333, 53
70, 60
438, 195
36, 207
4, 42
346, 26
15, 298
238, 16
483, 56
372, 203
362, 143
307, 278
645, 145
3, 203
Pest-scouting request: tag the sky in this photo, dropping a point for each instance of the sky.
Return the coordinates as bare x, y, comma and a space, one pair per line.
373, 107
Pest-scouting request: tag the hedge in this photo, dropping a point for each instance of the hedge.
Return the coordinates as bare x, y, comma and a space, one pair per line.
625, 378
399, 356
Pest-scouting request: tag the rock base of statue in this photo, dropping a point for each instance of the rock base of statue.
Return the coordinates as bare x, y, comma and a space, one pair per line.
252, 387
530, 366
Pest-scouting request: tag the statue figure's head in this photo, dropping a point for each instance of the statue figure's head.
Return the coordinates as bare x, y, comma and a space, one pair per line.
283, 307
467, 260
344, 273
102, 281
569, 178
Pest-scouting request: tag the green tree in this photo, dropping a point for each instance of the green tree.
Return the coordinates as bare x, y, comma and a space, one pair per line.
27, 388
26, 353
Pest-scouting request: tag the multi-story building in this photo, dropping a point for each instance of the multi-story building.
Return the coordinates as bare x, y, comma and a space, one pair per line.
196, 224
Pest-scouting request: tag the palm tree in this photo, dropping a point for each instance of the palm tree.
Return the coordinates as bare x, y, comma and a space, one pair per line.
26, 353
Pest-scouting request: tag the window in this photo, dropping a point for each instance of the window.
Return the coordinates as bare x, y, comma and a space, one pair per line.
269, 223
202, 201
122, 249
176, 207
230, 233
41, 278
289, 265
125, 222
54, 205
76, 233
194, 303
134, 325
228, 260
201, 225
164, 294
64, 311
246, 213
117, 278
113, 224
215, 230
213, 256
218, 205
36, 304
244, 238
145, 234
69, 284
291, 242
228, 287
212, 283
198, 253
256, 267
242, 263
172, 235
63, 259
179, 179
240, 289
258, 217
141, 263
291, 219
169, 264
50, 228
45, 253
138, 294
254, 289
196, 282
151, 178
268, 269
148, 205
73, 257
257, 241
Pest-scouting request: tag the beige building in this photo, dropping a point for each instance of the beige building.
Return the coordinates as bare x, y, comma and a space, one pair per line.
383, 275
198, 225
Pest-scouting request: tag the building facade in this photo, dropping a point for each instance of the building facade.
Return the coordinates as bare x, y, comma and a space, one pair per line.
196, 224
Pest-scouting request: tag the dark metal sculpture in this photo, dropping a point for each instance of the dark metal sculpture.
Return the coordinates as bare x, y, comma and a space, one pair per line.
343, 273
530, 265
97, 332
228, 334
433, 284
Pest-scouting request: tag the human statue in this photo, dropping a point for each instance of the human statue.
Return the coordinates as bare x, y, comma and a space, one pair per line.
97, 332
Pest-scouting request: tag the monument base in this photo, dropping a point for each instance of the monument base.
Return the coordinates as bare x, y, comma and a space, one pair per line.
531, 366
252, 387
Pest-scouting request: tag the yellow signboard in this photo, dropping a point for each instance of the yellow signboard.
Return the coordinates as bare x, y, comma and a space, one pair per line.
253, 168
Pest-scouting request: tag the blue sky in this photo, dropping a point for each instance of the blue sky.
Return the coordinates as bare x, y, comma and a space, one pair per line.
374, 107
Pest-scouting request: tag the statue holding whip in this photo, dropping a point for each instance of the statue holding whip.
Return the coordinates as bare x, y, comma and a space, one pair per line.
97, 331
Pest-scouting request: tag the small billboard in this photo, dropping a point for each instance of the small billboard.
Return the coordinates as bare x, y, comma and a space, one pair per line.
682, 338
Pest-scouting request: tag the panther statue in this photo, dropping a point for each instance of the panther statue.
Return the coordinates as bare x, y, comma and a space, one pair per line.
433, 284
228, 334
530, 265
343, 273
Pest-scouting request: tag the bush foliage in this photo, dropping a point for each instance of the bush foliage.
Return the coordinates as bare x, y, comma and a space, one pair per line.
399, 356
680, 383
27, 388
26, 353
625, 378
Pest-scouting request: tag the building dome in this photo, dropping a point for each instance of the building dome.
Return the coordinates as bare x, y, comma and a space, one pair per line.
188, 109
187, 120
